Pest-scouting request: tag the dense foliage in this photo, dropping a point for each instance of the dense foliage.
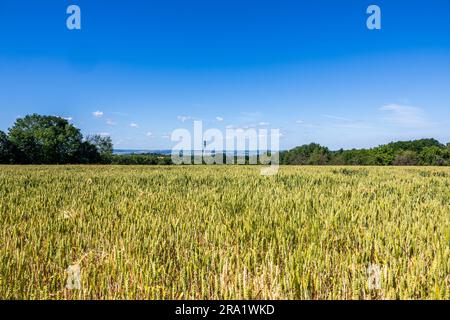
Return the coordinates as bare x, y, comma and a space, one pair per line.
7, 152
46, 140
37, 139
417, 152
141, 159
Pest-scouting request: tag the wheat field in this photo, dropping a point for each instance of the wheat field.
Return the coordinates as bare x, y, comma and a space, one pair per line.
224, 232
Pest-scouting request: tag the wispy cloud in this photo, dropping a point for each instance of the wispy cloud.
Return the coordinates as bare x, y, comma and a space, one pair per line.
263, 123
134, 125
329, 116
405, 116
149, 134
110, 122
184, 118
245, 126
307, 125
219, 119
97, 114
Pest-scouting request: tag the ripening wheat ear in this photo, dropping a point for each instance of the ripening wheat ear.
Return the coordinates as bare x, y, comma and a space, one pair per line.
224, 232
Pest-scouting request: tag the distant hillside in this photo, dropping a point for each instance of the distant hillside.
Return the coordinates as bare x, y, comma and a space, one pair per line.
416, 152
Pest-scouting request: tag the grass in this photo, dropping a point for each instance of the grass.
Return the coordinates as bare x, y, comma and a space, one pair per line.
224, 232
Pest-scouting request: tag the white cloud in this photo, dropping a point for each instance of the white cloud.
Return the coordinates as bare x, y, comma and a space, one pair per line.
149, 134
65, 118
110, 122
405, 116
134, 125
262, 123
97, 114
243, 127
184, 118
299, 121
220, 119
329, 116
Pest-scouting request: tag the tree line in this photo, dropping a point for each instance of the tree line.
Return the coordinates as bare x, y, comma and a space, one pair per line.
37, 139
423, 152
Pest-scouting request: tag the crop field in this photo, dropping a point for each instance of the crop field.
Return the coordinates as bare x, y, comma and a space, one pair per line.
224, 232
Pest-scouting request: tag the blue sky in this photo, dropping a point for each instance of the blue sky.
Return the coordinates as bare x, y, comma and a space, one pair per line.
139, 69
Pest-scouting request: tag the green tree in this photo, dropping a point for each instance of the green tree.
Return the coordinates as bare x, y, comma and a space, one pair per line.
46, 140
414, 145
406, 158
446, 154
433, 156
312, 153
352, 157
7, 152
383, 155
88, 153
104, 146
